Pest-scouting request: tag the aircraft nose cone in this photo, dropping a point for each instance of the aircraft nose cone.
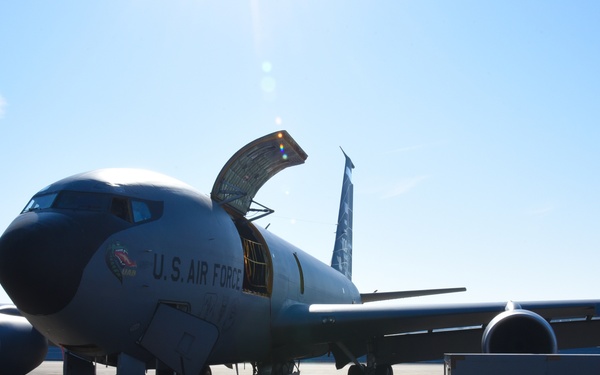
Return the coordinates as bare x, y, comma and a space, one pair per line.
42, 257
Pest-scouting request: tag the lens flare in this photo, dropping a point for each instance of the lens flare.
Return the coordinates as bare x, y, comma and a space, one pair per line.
268, 84
267, 66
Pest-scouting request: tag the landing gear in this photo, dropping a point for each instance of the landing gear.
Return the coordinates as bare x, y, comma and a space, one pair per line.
161, 369
373, 366
364, 370
73, 364
384, 370
356, 370
280, 368
127, 364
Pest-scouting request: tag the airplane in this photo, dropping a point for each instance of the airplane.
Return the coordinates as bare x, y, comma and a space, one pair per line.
134, 269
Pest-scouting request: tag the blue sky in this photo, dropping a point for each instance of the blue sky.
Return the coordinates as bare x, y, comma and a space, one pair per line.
473, 127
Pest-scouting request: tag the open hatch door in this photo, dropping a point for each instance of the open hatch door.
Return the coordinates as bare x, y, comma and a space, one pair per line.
253, 165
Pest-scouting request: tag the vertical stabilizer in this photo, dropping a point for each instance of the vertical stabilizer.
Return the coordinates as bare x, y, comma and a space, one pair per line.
342, 251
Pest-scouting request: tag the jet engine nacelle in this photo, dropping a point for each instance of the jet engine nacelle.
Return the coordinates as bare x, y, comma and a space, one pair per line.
519, 331
22, 347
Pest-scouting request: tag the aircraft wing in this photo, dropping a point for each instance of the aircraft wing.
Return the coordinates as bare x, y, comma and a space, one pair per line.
416, 333
385, 296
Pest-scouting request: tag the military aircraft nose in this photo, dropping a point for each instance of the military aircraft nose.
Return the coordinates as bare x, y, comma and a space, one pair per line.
40, 261
42, 258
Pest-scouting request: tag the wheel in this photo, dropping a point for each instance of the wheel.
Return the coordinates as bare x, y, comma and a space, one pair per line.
356, 370
384, 370
285, 368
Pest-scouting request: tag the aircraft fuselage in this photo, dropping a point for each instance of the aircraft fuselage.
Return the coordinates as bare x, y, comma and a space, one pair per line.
118, 243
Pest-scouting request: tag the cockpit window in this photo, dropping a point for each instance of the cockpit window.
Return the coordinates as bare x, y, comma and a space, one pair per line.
125, 208
40, 202
141, 211
134, 211
120, 208
77, 200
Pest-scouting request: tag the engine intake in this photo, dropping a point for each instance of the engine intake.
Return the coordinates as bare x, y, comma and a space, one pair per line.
519, 331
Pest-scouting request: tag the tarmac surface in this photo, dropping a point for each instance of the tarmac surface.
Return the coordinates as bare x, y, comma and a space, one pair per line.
55, 368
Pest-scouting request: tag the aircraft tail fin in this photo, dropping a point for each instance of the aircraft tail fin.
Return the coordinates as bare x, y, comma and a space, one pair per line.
342, 251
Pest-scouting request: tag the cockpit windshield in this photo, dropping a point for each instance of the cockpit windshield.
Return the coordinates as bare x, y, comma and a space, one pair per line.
77, 200
40, 202
129, 209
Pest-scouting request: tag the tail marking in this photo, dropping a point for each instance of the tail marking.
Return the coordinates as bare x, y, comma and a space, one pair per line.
342, 251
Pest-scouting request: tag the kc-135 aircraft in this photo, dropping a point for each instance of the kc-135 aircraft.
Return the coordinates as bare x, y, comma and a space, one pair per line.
137, 270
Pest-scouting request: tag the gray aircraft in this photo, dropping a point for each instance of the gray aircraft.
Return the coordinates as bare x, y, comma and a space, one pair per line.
137, 270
